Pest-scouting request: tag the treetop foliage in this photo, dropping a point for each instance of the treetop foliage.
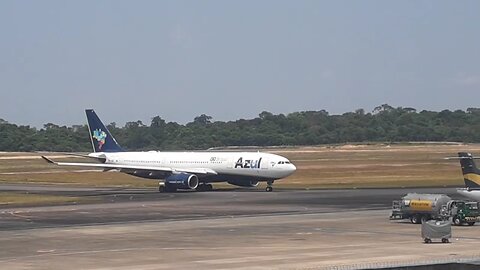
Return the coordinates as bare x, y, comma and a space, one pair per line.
384, 124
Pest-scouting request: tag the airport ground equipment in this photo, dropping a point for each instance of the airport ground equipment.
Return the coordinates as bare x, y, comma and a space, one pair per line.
419, 207
436, 229
461, 212
423, 207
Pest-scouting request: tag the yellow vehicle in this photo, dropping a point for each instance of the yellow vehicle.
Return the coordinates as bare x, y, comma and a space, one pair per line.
422, 207
419, 207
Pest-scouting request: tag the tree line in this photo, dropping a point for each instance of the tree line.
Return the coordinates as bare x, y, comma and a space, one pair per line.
384, 124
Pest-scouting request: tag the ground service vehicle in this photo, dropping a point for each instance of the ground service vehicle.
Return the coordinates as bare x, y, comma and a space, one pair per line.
461, 212
423, 207
439, 229
419, 207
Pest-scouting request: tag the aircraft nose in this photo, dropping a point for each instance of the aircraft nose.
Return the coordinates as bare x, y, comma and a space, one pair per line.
292, 168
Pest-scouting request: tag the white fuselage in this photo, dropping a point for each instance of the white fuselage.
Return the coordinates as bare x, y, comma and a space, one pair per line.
472, 194
262, 166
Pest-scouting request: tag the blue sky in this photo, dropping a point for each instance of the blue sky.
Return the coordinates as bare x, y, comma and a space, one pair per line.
132, 60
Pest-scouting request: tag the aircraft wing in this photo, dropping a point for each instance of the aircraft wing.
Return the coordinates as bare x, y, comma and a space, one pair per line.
202, 171
96, 157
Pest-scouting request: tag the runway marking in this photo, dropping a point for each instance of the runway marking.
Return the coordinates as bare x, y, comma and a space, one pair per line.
16, 214
45, 250
304, 233
52, 252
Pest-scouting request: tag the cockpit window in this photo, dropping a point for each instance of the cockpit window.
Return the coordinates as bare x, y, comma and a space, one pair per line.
283, 162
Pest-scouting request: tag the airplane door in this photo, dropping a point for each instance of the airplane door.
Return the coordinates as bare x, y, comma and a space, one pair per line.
230, 163
264, 164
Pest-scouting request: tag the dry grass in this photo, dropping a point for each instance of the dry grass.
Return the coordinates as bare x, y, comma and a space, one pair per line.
376, 166
344, 166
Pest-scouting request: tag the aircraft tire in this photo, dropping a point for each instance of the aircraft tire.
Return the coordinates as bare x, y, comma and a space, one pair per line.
161, 187
269, 189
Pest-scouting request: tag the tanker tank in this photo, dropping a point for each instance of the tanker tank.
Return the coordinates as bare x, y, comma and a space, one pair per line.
419, 207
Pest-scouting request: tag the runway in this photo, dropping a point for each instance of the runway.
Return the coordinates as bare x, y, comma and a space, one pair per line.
134, 205
225, 229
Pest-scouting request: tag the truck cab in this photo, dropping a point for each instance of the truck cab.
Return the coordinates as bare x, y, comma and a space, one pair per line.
462, 212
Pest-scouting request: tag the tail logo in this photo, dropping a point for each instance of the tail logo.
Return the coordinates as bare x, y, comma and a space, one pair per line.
100, 136
475, 178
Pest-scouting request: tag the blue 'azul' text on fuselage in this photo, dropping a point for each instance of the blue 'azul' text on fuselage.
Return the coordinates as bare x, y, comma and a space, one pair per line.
248, 163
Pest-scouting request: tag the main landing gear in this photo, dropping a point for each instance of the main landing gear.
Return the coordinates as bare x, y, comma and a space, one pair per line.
205, 187
162, 188
269, 186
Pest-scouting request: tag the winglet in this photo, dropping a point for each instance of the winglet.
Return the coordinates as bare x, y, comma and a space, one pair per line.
48, 160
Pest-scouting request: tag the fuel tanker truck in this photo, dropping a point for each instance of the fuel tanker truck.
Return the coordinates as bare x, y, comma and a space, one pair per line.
422, 207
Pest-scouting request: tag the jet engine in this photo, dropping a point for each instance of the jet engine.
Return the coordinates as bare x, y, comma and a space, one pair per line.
182, 181
244, 183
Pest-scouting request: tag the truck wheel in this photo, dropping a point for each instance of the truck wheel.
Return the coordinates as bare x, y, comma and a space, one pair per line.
427, 240
457, 221
471, 223
445, 240
416, 219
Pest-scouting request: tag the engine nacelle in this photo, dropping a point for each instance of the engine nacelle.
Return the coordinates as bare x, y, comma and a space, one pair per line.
244, 183
182, 181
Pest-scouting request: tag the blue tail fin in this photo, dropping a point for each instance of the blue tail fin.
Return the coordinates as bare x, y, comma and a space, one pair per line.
102, 140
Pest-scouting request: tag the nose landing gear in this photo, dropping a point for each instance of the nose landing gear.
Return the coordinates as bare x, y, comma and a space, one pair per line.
269, 186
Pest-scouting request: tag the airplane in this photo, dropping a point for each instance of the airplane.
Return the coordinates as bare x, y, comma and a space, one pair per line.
182, 170
471, 176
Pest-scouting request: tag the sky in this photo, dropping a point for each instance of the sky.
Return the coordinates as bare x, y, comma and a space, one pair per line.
132, 60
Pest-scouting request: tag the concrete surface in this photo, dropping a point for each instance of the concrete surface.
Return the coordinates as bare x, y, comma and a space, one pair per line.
141, 229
